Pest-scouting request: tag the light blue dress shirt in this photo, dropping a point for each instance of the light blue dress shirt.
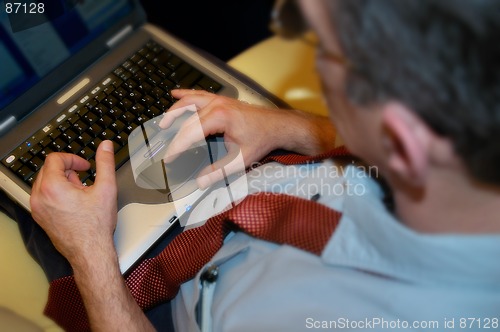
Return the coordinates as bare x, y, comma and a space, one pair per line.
374, 274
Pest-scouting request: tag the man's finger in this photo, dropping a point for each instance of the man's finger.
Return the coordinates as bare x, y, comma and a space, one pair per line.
189, 133
181, 93
194, 129
232, 163
172, 115
196, 97
105, 164
73, 177
58, 163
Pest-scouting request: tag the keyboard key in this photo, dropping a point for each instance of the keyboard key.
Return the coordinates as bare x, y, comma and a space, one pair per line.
154, 79
109, 89
118, 71
125, 104
130, 85
58, 145
116, 147
45, 152
115, 112
31, 179
157, 92
140, 76
54, 134
153, 111
180, 73
35, 163
157, 48
107, 134
24, 172
95, 143
16, 165
106, 121
126, 75
134, 69
45, 141
82, 111
144, 87
149, 69
163, 104
64, 126
150, 56
121, 157
88, 182
73, 147
100, 110
120, 93
110, 101
163, 71
91, 104
141, 119
137, 109
127, 64
130, 128
127, 118
85, 139
25, 157
80, 127
147, 100
167, 84
142, 62
190, 79
121, 139
69, 136
100, 97
87, 153
36, 149
173, 62
95, 130
209, 84
136, 57
84, 175
161, 58
134, 95
73, 119
90, 118
117, 126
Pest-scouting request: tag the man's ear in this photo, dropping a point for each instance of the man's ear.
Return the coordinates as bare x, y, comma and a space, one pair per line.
406, 141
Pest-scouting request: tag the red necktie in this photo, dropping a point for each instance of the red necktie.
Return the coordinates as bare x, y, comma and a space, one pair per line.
277, 218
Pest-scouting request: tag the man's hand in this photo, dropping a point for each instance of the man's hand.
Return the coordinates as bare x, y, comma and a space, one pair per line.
252, 130
78, 219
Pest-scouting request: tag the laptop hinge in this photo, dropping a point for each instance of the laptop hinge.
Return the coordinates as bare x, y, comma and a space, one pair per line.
7, 124
119, 36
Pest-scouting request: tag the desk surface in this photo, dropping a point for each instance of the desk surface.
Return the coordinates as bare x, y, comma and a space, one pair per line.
283, 67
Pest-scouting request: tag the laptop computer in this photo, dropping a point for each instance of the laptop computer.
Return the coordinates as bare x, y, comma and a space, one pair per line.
76, 73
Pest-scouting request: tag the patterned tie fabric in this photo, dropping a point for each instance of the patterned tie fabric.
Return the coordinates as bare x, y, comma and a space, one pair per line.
277, 218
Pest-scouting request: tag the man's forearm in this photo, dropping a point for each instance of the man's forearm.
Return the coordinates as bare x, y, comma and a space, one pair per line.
108, 302
309, 134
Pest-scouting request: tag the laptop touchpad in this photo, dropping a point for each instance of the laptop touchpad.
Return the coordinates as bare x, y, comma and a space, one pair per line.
177, 179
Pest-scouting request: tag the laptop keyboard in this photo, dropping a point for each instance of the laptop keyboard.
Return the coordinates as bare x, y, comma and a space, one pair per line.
136, 91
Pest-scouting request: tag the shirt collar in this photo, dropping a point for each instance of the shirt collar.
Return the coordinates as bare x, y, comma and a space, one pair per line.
369, 238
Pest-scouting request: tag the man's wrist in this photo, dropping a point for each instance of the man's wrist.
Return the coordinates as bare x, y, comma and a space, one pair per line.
310, 134
93, 256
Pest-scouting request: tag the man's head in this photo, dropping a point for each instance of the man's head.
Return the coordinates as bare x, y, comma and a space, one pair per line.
424, 79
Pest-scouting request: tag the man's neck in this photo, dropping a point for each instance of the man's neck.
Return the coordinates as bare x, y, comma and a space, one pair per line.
451, 205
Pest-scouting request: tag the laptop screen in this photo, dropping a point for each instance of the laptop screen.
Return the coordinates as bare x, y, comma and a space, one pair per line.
39, 38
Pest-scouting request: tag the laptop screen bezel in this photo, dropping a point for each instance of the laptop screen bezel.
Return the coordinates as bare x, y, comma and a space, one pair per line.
29, 101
